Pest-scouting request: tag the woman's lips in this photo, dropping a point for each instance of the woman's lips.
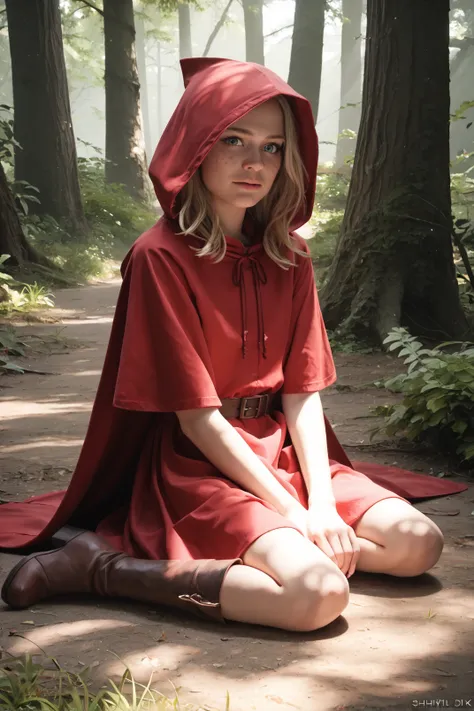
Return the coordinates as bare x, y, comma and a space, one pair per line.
248, 186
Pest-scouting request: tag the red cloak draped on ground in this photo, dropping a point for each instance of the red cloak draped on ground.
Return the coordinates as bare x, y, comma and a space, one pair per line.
176, 343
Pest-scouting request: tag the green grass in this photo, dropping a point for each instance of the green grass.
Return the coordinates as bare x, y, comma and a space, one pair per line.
26, 685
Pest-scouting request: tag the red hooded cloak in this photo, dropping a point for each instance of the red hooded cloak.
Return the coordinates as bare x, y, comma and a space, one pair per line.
187, 333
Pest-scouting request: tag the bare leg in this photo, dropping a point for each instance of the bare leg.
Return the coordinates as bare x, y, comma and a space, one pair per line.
285, 582
397, 539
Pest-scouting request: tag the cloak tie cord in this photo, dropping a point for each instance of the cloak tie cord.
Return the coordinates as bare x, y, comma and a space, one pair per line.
259, 277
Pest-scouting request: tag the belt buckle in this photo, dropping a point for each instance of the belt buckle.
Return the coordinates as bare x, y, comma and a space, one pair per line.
261, 408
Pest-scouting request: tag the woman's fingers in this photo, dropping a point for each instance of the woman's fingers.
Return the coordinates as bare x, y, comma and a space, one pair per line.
356, 552
342, 548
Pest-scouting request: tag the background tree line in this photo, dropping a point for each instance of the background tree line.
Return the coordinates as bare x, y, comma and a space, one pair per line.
405, 95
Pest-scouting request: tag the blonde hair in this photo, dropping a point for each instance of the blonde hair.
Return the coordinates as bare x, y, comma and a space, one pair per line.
273, 214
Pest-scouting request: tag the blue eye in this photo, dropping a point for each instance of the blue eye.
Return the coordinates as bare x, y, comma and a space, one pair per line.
274, 148
232, 141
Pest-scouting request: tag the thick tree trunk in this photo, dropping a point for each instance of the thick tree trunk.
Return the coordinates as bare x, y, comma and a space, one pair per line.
43, 126
394, 260
307, 50
254, 42
185, 43
142, 74
12, 239
124, 145
351, 78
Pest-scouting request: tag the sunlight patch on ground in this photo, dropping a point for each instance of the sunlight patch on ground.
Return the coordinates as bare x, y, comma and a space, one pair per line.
86, 373
44, 443
90, 320
64, 631
27, 408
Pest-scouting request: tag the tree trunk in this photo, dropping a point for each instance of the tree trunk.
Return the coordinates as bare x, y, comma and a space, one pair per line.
43, 126
394, 259
124, 145
462, 89
142, 74
307, 50
351, 78
12, 239
185, 43
159, 90
253, 19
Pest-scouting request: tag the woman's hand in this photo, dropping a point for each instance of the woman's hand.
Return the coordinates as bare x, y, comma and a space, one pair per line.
298, 515
333, 536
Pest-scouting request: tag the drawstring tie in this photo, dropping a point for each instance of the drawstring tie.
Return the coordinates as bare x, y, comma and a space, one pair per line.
259, 277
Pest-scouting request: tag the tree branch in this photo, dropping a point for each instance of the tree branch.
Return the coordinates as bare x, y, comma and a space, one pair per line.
280, 29
216, 29
454, 42
93, 7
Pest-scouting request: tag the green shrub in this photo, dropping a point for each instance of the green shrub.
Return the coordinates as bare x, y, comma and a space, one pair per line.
438, 394
109, 209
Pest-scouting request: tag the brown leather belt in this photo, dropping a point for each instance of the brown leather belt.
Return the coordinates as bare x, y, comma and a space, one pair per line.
247, 408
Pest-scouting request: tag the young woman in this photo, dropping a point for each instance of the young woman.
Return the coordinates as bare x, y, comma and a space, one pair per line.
205, 479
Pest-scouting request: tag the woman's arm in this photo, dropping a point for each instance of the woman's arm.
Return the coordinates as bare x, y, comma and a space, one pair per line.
326, 528
305, 420
217, 439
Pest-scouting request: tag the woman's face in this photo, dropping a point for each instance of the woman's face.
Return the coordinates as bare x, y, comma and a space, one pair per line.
242, 166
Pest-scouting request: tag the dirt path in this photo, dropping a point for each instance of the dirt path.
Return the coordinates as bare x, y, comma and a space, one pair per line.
399, 644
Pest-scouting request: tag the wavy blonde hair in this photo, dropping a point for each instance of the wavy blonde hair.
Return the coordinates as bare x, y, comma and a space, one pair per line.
273, 214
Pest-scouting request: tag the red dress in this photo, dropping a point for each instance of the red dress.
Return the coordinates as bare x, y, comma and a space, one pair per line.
187, 333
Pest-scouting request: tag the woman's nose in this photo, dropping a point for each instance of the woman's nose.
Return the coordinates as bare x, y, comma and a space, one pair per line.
253, 159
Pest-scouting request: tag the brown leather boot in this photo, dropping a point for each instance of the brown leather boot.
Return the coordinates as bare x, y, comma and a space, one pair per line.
88, 564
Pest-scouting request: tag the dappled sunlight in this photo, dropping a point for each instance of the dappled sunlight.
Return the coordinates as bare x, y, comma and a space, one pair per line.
86, 373
45, 443
89, 320
63, 631
28, 408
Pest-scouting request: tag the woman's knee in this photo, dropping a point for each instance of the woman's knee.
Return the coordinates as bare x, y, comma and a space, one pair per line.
316, 598
417, 548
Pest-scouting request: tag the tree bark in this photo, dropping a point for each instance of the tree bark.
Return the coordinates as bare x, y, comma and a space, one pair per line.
253, 20
12, 238
124, 145
307, 50
394, 260
351, 78
43, 126
142, 74
184, 18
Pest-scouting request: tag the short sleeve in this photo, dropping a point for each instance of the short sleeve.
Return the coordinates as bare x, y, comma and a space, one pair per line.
309, 365
164, 361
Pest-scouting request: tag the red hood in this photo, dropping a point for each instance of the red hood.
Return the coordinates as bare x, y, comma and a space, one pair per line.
218, 93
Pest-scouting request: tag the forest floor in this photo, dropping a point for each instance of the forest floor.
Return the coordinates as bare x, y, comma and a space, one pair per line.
401, 644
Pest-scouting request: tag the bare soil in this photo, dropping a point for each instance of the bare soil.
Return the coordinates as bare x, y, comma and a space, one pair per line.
401, 644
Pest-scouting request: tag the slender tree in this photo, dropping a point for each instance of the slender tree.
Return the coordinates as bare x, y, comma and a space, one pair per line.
351, 78
141, 45
43, 126
254, 42
307, 50
184, 20
394, 259
124, 145
462, 85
